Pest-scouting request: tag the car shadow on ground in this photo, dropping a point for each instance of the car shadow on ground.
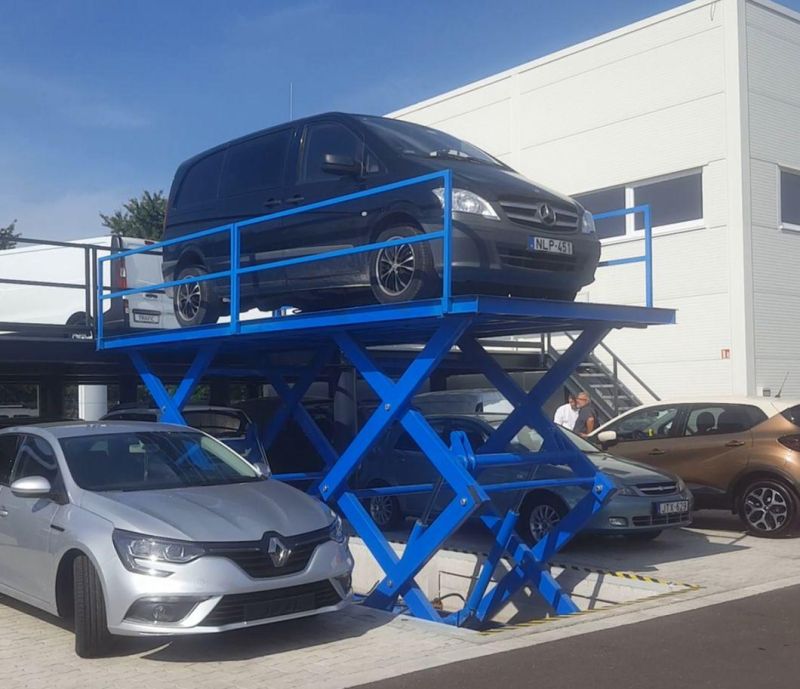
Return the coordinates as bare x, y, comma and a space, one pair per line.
242, 644
269, 639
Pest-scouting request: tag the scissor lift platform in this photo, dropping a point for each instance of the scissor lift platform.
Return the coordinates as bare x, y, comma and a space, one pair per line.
436, 327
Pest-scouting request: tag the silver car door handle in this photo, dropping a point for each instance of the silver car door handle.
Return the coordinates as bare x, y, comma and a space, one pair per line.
656, 451
3, 512
734, 443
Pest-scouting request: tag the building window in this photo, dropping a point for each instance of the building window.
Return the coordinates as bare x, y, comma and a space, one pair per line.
676, 201
790, 199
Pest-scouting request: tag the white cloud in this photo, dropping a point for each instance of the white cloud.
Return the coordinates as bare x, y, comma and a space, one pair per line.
66, 100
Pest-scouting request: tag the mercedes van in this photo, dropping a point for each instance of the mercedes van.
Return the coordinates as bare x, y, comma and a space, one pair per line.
511, 236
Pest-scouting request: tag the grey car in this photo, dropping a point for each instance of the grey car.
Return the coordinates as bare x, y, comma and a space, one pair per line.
646, 502
136, 529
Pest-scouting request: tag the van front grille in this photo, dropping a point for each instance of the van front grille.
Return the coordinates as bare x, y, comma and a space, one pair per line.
529, 214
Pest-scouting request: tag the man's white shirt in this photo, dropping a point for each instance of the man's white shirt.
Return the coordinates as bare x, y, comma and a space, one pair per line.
566, 416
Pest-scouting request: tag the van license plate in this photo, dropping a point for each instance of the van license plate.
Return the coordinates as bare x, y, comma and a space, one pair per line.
145, 317
676, 507
550, 245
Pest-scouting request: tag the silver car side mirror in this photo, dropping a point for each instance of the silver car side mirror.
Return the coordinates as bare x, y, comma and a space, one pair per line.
32, 487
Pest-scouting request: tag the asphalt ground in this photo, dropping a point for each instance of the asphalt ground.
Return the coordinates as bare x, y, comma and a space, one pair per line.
751, 643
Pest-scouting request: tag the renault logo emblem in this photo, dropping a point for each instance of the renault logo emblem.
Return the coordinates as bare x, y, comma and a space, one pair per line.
547, 214
278, 551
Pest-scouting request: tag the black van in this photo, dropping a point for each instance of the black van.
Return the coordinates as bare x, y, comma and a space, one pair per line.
510, 236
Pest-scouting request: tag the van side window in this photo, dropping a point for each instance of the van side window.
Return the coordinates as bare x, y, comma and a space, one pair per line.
323, 139
256, 163
201, 181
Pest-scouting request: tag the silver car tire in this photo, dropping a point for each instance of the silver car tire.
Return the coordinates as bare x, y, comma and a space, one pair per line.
92, 638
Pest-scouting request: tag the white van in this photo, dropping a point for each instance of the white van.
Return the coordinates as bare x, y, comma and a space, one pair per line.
38, 304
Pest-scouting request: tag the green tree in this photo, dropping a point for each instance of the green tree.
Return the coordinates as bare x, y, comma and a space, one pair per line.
142, 217
8, 235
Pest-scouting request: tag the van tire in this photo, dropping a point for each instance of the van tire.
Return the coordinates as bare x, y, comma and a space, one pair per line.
92, 638
402, 273
195, 303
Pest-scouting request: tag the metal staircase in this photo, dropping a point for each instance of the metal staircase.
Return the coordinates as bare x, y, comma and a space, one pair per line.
610, 396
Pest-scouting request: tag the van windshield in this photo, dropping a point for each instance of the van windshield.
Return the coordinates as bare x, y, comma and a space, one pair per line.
152, 460
408, 138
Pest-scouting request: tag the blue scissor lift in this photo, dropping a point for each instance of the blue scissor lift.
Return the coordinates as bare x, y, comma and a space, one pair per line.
438, 326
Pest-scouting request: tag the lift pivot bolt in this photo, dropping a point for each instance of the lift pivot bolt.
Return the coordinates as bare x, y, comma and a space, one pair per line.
387, 407
598, 488
325, 488
463, 502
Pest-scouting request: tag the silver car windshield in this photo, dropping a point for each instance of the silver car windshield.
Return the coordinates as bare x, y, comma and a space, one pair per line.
152, 460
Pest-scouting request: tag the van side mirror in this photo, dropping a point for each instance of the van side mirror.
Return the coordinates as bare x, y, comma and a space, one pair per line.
607, 439
32, 487
340, 165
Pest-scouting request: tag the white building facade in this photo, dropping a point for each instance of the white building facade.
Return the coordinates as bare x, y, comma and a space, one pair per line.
695, 111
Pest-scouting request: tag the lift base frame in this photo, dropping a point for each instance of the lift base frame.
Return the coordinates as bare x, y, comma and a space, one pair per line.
465, 322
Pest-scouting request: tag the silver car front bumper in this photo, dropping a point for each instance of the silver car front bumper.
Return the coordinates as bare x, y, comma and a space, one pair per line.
209, 582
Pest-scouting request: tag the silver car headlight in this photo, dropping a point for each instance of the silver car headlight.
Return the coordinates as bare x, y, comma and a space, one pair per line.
336, 532
140, 553
465, 201
630, 491
681, 485
587, 223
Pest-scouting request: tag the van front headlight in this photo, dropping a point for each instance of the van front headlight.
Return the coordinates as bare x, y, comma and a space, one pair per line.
465, 201
587, 224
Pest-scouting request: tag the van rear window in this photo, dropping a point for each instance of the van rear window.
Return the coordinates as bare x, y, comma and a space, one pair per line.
792, 414
201, 181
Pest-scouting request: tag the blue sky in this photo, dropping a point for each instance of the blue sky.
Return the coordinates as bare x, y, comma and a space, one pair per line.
101, 99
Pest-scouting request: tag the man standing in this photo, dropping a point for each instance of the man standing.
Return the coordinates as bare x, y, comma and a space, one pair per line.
587, 418
567, 414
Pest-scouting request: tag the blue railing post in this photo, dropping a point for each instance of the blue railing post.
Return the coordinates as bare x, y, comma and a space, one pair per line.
235, 251
447, 241
99, 290
648, 257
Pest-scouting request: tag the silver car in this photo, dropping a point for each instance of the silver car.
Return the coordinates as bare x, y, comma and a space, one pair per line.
152, 529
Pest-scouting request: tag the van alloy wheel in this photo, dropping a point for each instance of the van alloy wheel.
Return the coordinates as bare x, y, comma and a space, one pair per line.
188, 300
765, 508
395, 266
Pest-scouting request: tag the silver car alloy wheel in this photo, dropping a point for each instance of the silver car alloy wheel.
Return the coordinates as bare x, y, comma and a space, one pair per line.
381, 509
765, 508
542, 519
394, 268
189, 300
